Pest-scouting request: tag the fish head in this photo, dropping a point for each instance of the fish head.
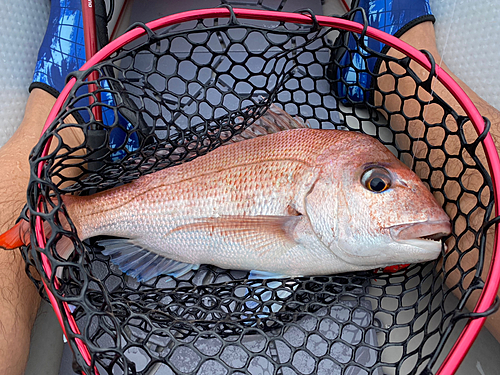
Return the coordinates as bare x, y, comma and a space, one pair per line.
371, 210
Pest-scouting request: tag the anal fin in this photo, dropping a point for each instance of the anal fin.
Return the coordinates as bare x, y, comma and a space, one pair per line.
140, 263
255, 274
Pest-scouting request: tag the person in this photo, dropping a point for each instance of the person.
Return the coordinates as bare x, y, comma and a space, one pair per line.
412, 21
62, 51
422, 36
19, 299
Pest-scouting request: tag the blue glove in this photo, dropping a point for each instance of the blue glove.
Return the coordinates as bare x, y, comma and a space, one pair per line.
62, 52
394, 17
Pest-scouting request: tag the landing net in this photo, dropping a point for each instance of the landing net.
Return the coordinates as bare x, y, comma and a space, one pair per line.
181, 86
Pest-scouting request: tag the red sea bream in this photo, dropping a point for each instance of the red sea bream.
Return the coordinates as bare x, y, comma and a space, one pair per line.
295, 203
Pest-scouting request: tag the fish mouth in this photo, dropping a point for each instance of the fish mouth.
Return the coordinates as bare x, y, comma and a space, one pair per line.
426, 235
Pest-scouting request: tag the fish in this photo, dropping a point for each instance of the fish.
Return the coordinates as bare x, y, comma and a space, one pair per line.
298, 202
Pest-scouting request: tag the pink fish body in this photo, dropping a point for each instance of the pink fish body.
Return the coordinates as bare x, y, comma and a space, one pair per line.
299, 202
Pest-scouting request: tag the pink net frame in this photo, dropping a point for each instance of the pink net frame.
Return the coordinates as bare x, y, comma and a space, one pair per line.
487, 297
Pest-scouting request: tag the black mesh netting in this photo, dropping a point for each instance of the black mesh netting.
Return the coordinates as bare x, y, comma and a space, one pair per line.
184, 90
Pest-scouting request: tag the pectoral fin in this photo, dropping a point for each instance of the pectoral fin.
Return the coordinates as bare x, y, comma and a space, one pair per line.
257, 233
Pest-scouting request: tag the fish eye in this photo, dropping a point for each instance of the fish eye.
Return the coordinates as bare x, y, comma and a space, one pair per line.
376, 179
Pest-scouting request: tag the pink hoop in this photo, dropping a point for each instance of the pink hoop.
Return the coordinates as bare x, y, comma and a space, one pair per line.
470, 332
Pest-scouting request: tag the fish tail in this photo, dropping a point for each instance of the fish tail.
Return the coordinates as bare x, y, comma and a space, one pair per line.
19, 235
16, 236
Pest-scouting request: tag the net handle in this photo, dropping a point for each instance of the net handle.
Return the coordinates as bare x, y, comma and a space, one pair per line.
488, 294
89, 34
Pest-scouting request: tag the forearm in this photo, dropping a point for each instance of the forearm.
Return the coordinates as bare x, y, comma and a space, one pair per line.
422, 37
19, 299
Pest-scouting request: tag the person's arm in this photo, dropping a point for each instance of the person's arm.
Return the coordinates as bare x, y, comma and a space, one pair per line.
422, 37
19, 299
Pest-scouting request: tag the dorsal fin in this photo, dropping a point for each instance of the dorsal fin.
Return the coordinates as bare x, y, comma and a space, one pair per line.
273, 121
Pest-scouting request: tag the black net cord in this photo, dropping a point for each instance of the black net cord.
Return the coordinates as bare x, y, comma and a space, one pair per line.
179, 92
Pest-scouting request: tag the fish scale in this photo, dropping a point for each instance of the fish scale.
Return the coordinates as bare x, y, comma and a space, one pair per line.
188, 187
260, 189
